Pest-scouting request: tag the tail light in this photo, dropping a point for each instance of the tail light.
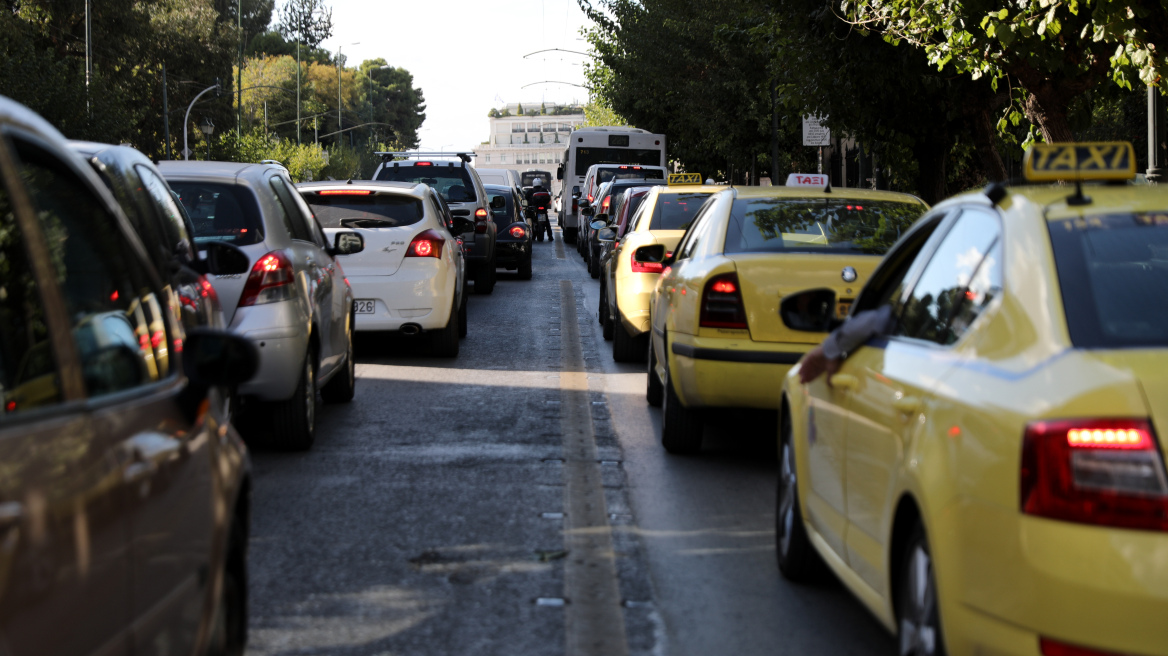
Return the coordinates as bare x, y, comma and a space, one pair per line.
427, 243
590, 198
270, 281
1106, 472
1050, 647
722, 305
644, 267
575, 205
480, 220
518, 232
423, 164
604, 205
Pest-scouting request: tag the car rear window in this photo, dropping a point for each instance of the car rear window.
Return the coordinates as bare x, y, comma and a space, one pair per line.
221, 212
527, 178
840, 225
676, 211
452, 182
373, 211
1111, 269
604, 175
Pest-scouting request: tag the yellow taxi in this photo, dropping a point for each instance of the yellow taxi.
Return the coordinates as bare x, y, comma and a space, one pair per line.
626, 285
718, 340
985, 471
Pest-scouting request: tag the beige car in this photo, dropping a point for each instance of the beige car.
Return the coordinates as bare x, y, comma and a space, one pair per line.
626, 285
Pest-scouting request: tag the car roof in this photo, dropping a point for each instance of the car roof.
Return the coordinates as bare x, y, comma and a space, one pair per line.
14, 113
1050, 200
415, 189
204, 169
781, 191
498, 187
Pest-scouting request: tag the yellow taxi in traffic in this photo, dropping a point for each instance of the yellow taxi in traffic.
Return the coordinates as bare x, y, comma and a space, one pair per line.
718, 340
985, 472
625, 287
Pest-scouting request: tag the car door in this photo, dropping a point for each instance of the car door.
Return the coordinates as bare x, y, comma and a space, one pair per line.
889, 407
339, 295
123, 334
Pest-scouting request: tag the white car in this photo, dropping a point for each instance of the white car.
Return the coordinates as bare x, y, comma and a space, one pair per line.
411, 277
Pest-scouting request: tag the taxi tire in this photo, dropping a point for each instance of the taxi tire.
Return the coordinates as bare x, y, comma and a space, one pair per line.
343, 385
918, 620
654, 390
294, 420
797, 559
525, 267
625, 347
681, 427
444, 343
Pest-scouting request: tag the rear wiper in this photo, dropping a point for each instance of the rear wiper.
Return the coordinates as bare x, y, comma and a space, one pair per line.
368, 223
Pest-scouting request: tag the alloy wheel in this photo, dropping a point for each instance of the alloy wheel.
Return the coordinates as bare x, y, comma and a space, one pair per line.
919, 635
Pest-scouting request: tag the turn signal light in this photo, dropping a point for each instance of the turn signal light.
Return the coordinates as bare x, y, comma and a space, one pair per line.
427, 243
722, 305
518, 232
1107, 472
270, 280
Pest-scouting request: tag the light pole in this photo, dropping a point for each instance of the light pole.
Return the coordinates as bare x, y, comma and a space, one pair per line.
207, 127
187, 118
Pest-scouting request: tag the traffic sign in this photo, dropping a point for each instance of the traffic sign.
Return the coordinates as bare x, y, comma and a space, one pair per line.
814, 132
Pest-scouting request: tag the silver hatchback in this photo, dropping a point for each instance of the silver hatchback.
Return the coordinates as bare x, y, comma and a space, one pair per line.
294, 304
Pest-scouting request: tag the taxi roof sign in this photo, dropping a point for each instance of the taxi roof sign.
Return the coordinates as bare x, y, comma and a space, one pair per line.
685, 178
1080, 162
817, 180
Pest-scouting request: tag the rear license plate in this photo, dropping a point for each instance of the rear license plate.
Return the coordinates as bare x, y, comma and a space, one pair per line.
364, 306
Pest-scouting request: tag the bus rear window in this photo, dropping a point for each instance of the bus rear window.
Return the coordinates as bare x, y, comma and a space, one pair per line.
676, 211
1111, 269
586, 157
221, 212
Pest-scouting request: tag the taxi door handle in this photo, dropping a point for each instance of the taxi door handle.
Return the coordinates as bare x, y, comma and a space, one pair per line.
907, 404
845, 381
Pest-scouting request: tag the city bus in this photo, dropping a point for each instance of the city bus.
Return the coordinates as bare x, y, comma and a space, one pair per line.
601, 145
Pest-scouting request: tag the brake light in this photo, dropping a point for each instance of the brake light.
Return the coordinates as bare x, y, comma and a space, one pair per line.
344, 192
1107, 472
645, 267
427, 243
518, 232
722, 305
270, 281
604, 205
575, 206
1050, 647
423, 164
590, 198
480, 214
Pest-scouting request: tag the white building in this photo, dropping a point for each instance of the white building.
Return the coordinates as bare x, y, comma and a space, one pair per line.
522, 143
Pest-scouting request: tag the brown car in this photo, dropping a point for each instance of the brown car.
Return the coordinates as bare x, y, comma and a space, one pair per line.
123, 487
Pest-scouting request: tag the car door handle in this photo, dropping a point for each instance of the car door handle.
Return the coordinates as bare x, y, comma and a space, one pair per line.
907, 404
845, 381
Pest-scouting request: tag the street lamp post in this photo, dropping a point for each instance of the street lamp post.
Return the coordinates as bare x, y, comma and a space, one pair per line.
1157, 136
187, 118
207, 127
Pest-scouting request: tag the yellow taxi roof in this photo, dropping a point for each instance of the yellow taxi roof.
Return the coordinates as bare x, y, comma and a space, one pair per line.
1105, 199
689, 189
836, 192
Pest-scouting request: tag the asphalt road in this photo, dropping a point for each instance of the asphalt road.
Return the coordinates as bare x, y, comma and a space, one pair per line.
430, 516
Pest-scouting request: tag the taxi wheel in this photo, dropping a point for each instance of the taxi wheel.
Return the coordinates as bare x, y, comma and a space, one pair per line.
344, 383
681, 427
294, 420
654, 391
797, 558
918, 618
625, 347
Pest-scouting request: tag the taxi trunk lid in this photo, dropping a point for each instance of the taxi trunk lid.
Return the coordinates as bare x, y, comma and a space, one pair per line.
1150, 368
767, 278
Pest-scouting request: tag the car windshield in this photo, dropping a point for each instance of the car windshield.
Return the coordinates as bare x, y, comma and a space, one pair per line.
676, 211
815, 225
452, 182
1111, 269
221, 212
372, 211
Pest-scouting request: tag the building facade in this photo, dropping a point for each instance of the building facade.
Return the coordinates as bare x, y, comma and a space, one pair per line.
521, 143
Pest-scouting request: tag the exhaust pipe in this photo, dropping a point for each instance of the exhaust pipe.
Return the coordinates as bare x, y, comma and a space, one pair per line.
411, 329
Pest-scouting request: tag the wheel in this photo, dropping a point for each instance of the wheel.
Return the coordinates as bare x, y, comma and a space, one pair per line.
600, 305
294, 420
797, 559
606, 319
484, 280
570, 235
918, 619
229, 626
444, 343
625, 347
525, 267
594, 266
462, 317
654, 392
681, 427
341, 387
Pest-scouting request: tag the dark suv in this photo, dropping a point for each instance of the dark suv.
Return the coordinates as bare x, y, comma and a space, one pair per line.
460, 186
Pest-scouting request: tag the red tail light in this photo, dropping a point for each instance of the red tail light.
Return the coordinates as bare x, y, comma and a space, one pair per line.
1105, 471
428, 243
480, 220
480, 214
423, 164
270, 281
518, 232
590, 198
1050, 647
722, 305
645, 267
604, 205
344, 192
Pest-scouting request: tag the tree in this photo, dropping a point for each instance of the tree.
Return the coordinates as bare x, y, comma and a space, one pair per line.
395, 101
307, 22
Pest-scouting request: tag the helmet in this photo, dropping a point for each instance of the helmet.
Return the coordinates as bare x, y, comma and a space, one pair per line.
538, 182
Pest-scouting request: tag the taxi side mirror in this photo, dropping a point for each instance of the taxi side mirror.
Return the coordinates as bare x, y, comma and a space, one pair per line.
811, 311
654, 254
461, 225
598, 224
222, 259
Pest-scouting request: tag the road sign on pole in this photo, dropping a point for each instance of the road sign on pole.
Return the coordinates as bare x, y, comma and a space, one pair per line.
814, 132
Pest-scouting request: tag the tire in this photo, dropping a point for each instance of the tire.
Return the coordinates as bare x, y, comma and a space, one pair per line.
229, 626
606, 319
525, 267
625, 347
654, 391
681, 427
444, 343
594, 267
484, 281
570, 235
462, 327
918, 618
797, 558
294, 420
343, 385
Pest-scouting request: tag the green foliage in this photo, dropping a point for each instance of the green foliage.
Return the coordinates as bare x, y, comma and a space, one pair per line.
308, 22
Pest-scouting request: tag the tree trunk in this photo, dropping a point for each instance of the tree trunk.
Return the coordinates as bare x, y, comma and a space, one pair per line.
986, 145
1049, 113
932, 157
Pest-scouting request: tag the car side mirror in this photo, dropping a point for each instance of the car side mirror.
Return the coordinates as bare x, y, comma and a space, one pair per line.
601, 217
498, 203
606, 235
647, 256
587, 211
217, 357
461, 225
598, 224
810, 311
348, 243
223, 259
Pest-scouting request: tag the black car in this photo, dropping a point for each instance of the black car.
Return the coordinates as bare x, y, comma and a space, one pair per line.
513, 245
609, 197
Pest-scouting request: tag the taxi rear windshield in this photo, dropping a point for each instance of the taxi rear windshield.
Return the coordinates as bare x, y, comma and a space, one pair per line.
816, 225
676, 211
373, 211
1112, 269
221, 212
452, 182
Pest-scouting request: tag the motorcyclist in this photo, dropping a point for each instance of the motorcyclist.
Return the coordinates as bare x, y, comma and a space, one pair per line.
537, 187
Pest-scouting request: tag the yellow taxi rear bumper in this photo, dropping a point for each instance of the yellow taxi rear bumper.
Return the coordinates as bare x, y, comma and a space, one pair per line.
716, 372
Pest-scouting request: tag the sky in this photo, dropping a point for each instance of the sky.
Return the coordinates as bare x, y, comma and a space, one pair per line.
468, 56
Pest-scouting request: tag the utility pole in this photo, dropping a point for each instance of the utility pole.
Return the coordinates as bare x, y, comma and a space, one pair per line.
1157, 136
165, 114
239, 70
339, 126
265, 119
88, 56
299, 31
774, 133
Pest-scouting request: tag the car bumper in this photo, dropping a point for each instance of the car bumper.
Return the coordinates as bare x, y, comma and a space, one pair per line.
511, 253
633, 294
419, 292
715, 372
280, 332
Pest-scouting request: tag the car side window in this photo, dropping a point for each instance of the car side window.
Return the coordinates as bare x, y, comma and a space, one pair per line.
119, 326
292, 215
285, 217
695, 235
173, 226
961, 278
309, 216
901, 264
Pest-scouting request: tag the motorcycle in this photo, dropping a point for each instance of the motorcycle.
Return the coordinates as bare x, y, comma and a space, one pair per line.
540, 202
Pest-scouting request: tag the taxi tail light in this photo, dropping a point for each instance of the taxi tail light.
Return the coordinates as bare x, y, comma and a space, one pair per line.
1107, 472
722, 305
270, 281
518, 232
644, 267
427, 243
1050, 647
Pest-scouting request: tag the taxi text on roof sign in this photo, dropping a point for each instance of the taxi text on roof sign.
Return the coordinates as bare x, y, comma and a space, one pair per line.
685, 178
1105, 160
819, 180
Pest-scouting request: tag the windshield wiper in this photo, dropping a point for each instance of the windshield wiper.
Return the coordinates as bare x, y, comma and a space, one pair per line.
368, 223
